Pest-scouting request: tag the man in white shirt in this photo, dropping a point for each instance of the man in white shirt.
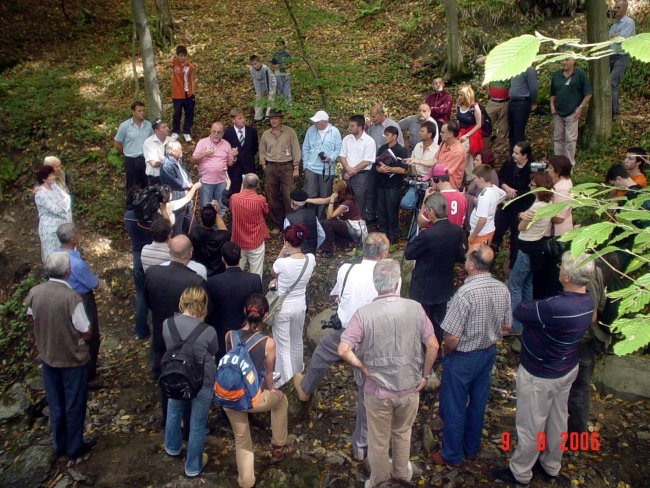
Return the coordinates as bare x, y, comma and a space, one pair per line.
354, 288
482, 218
154, 151
358, 151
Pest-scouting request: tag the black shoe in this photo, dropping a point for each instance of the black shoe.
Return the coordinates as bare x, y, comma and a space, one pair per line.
84, 449
539, 469
506, 475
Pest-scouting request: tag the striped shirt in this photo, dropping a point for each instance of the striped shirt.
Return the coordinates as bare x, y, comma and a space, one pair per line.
477, 311
248, 210
553, 329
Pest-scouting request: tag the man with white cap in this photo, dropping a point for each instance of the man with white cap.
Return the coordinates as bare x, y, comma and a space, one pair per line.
320, 150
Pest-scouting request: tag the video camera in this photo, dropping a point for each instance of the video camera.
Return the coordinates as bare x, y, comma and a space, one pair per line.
415, 182
147, 202
538, 166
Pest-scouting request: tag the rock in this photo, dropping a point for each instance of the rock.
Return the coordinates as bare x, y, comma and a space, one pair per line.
30, 468
643, 435
13, 404
626, 377
428, 441
76, 475
34, 380
314, 330
294, 472
64, 482
334, 460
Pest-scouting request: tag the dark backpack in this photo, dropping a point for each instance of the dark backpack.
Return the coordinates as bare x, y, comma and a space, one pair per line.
486, 125
237, 383
181, 372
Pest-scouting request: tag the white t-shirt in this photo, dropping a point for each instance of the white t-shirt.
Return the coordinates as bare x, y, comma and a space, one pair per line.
357, 150
288, 270
359, 289
536, 230
154, 150
486, 206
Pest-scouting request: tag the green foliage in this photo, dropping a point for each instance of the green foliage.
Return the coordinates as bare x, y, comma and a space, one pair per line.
638, 46
16, 345
411, 24
369, 7
510, 58
9, 172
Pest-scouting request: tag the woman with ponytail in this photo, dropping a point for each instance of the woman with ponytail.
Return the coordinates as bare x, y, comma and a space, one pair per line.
263, 356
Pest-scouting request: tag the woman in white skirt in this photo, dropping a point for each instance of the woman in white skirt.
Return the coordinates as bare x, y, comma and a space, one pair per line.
290, 321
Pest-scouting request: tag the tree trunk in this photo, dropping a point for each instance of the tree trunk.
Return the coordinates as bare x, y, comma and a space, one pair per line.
453, 38
152, 90
165, 23
599, 118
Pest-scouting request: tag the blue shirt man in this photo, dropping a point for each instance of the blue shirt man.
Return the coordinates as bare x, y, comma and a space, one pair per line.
623, 26
129, 142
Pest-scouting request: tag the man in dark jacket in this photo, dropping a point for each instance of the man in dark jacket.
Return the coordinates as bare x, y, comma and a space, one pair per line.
304, 214
228, 292
435, 249
208, 238
242, 138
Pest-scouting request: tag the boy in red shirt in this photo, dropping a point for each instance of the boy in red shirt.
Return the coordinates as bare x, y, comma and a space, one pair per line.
183, 84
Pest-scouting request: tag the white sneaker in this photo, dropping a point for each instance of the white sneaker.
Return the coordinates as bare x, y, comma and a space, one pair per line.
174, 136
410, 468
188, 138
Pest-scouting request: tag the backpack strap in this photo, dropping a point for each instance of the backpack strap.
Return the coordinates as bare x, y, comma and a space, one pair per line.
302, 272
346, 279
173, 331
258, 338
198, 330
234, 337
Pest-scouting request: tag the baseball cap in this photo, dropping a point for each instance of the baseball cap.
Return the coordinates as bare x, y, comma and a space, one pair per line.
439, 170
320, 116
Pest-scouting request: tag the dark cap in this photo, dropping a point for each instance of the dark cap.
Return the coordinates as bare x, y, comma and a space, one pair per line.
299, 195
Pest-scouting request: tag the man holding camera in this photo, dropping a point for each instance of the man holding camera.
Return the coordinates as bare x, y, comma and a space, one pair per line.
320, 150
354, 288
389, 177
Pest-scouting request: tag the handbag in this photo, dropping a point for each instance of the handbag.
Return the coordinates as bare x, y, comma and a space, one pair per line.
335, 322
552, 247
357, 229
276, 300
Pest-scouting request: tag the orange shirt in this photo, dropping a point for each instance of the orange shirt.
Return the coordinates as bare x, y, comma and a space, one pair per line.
182, 79
453, 158
640, 180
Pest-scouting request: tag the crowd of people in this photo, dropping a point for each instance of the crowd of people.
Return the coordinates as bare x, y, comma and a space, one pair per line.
189, 266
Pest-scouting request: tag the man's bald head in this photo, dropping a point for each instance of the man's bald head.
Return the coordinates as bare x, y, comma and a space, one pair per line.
481, 257
180, 249
376, 246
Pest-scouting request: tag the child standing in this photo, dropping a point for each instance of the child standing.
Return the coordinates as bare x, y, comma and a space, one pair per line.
280, 62
264, 84
482, 218
183, 84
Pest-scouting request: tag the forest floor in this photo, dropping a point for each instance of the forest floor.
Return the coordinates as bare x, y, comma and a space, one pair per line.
362, 56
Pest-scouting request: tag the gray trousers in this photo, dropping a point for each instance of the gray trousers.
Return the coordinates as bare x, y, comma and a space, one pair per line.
617, 65
318, 187
360, 185
326, 353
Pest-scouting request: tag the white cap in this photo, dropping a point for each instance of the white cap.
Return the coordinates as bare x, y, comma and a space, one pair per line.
320, 116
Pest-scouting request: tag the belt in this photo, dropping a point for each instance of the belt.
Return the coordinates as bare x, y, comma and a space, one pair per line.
521, 99
499, 100
134, 157
279, 162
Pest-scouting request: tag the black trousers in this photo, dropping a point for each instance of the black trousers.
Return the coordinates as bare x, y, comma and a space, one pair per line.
135, 172
580, 394
518, 113
388, 212
505, 220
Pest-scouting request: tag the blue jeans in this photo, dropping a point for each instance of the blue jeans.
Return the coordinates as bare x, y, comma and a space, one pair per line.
409, 200
465, 376
66, 390
520, 284
141, 327
173, 439
208, 192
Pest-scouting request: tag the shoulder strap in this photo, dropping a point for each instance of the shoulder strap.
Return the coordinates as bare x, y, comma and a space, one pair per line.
234, 336
302, 272
258, 338
173, 331
198, 330
346, 279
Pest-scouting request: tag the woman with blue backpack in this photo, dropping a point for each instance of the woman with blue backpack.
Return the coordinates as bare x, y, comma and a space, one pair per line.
244, 384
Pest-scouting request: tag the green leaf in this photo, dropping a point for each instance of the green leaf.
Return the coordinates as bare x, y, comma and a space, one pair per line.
511, 58
636, 332
634, 297
588, 237
637, 46
637, 263
551, 210
634, 215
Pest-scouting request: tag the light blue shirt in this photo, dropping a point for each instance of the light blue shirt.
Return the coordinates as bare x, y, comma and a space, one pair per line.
81, 279
320, 233
623, 27
132, 137
313, 144
524, 85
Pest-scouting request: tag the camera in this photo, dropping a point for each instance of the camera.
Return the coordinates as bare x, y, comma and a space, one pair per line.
538, 166
416, 183
322, 155
147, 202
333, 323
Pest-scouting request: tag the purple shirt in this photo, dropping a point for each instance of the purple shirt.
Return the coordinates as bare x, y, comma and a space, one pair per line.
213, 168
353, 336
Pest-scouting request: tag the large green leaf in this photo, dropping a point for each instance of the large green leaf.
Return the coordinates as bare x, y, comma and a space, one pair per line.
634, 297
511, 58
584, 238
636, 46
636, 331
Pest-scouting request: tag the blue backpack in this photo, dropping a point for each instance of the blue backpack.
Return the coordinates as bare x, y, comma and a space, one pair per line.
237, 383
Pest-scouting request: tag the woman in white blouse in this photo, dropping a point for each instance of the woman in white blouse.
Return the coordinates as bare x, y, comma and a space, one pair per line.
54, 209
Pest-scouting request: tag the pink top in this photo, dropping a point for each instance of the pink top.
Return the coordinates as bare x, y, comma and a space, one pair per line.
562, 188
213, 168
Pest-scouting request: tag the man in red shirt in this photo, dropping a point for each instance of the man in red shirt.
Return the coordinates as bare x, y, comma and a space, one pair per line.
183, 83
249, 230
440, 102
456, 201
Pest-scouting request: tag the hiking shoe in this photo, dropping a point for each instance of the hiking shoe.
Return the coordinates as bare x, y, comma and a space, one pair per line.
297, 379
204, 461
506, 475
436, 458
539, 469
278, 452
187, 137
